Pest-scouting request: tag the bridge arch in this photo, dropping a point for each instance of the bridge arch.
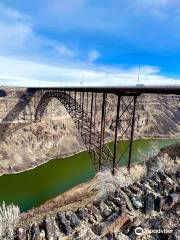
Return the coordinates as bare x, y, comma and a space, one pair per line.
71, 106
81, 119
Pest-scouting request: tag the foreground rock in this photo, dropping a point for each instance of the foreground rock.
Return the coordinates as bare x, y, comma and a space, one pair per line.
140, 210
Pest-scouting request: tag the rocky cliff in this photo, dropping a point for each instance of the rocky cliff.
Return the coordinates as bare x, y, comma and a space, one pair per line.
29, 144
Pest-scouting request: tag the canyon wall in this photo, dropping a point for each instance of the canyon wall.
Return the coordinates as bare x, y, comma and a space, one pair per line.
30, 143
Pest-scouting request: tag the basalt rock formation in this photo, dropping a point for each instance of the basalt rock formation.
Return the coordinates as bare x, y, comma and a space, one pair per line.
148, 208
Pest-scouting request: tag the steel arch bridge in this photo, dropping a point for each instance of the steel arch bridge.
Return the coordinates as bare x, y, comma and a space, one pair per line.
82, 106
88, 108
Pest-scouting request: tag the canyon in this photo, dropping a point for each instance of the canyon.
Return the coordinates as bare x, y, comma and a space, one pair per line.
31, 144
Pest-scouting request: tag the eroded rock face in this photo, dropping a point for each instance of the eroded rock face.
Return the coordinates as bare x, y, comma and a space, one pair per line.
56, 136
36, 143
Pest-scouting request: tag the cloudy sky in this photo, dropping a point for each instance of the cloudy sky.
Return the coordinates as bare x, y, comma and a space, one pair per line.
89, 42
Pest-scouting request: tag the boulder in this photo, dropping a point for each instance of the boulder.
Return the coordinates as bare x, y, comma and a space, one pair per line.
125, 201
158, 204
94, 211
149, 202
136, 201
116, 200
64, 224
115, 226
170, 201
105, 210
83, 214
74, 220
97, 229
51, 228
134, 189
112, 205
131, 233
158, 188
167, 187
154, 223
122, 196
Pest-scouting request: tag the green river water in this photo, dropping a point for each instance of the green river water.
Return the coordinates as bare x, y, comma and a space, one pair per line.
34, 187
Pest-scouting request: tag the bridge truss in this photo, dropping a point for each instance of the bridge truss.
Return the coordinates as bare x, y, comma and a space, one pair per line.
90, 109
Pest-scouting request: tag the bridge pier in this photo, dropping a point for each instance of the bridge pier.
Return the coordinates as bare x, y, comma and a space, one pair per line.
132, 132
116, 135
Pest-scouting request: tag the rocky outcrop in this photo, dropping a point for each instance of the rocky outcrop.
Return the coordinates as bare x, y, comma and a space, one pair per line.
111, 218
148, 208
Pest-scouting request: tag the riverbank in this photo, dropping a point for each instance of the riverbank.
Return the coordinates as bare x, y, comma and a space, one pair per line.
42, 163
68, 155
114, 207
32, 188
85, 193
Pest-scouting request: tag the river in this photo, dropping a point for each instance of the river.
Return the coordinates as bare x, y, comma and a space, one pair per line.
34, 187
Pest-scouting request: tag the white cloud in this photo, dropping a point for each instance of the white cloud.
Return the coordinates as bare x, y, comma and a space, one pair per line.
64, 50
19, 38
93, 55
7, 13
30, 74
163, 10
16, 31
14, 37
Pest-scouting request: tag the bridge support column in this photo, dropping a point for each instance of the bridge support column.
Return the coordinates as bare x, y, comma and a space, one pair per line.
91, 119
102, 128
116, 134
132, 132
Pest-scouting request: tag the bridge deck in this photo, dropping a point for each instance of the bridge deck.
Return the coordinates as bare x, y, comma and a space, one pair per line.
126, 90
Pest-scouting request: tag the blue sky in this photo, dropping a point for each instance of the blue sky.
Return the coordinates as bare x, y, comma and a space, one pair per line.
89, 42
